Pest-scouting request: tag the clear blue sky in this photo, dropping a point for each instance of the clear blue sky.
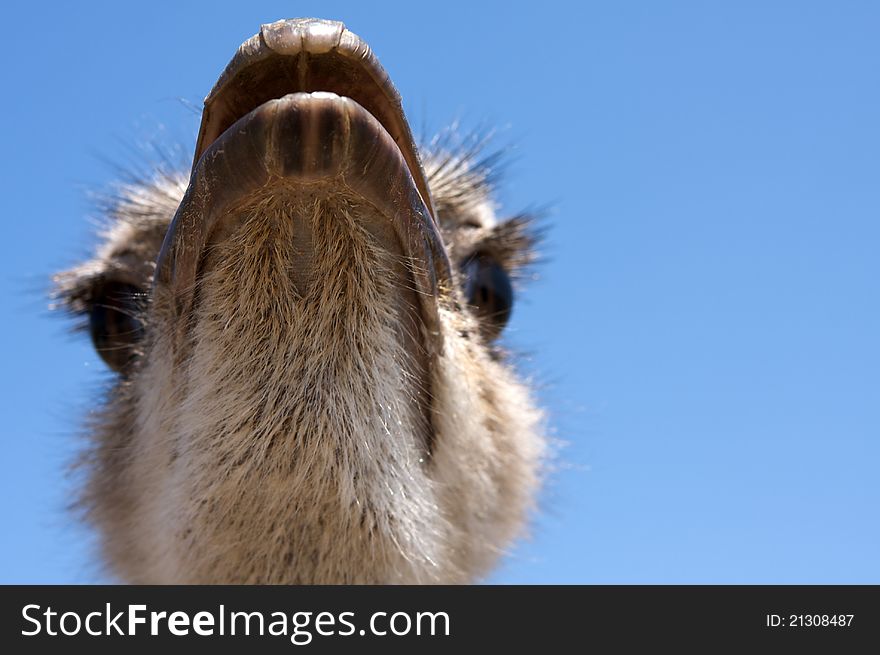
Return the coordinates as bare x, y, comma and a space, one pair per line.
705, 331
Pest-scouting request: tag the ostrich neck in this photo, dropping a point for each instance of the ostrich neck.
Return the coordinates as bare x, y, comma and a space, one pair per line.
299, 402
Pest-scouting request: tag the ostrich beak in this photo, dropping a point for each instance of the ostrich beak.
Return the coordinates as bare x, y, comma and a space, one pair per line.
306, 102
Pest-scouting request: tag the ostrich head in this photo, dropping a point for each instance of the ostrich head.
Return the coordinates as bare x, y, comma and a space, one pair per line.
303, 331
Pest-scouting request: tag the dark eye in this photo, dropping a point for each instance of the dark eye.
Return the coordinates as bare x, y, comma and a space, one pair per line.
115, 324
487, 288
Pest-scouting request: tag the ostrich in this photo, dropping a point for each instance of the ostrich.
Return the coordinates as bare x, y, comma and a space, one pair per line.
308, 386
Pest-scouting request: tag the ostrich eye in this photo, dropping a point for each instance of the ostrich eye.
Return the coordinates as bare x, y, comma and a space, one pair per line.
114, 323
487, 288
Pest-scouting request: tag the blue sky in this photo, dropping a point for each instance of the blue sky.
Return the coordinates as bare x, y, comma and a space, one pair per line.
704, 333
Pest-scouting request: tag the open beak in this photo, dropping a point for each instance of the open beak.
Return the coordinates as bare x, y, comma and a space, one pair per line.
306, 102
